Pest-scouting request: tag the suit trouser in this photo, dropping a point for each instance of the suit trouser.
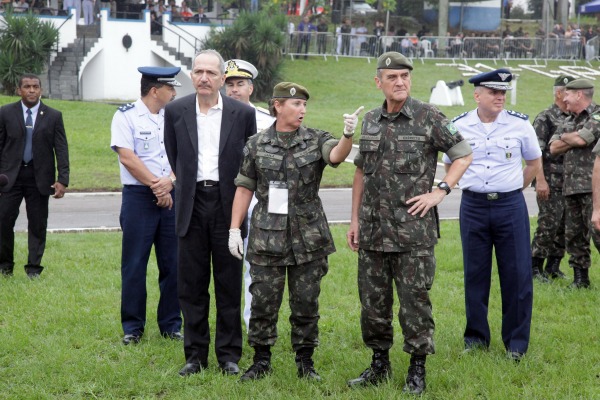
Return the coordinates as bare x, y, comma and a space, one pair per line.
502, 225
145, 224
206, 241
36, 205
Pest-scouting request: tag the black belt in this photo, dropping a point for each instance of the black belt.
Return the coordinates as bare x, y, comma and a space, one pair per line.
27, 164
491, 196
207, 183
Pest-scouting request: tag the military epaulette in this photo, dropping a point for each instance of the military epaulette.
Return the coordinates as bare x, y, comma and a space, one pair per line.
263, 110
459, 116
126, 107
518, 114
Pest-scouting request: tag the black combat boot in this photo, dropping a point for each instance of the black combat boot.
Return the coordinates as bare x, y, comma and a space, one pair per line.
304, 362
379, 371
553, 268
581, 278
415, 380
537, 266
261, 366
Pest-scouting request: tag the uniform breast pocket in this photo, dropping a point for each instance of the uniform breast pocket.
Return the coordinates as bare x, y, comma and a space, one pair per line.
368, 148
409, 158
308, 165
270, 167
145, 142
508, 150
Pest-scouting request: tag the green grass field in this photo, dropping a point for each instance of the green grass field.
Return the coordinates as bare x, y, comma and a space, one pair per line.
336, 87
60, 337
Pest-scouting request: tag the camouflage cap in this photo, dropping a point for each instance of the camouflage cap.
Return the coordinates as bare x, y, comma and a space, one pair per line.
580, 83
393, 60
562, 80
290, 90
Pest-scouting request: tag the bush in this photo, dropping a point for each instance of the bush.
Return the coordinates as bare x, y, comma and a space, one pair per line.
257, 38
25, 44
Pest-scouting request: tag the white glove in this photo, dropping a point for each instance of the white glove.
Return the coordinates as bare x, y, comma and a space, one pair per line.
236, 244
351, 120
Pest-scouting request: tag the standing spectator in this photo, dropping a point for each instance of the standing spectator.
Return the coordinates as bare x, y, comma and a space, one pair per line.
322, 36
239, 76
589, 45
204, 137
305, 28
346, 30
289, 235
378, 32
576, 139
493, 214
549, 238
147, 216
33, 150
394, 226
88, 12
361, 33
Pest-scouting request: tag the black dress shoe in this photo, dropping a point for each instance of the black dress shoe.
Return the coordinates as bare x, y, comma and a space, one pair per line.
131, 339
173, 336
6, 272
229, 368
191, 368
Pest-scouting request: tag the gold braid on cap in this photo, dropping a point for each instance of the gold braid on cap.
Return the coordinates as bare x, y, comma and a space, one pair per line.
233, 70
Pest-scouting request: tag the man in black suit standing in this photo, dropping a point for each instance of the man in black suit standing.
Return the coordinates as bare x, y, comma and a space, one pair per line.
204, 137
32, 137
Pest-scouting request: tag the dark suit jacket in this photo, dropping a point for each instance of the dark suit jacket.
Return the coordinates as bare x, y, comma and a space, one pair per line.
49, 146
238, 123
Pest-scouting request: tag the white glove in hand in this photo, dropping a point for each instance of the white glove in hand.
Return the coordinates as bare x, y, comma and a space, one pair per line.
236, 244
351, 120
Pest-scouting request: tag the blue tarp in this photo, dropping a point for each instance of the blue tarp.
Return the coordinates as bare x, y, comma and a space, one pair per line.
590, 8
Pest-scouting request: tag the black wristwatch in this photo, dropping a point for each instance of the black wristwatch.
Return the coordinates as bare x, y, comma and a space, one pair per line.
444, 186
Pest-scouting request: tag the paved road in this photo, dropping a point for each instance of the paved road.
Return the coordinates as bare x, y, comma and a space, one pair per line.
100, 211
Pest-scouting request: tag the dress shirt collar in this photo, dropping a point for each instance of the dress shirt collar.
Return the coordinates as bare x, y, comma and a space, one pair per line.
218, 106
34, 109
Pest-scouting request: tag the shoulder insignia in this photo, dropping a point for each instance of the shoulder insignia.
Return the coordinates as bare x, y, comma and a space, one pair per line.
596, 117
126, 107
517, 114
263, 110
459, 116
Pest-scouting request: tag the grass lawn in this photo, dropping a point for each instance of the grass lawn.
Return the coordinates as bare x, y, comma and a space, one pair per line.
336, 87
60, 337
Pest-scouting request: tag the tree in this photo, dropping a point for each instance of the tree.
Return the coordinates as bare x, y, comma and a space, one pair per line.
25, 44
257, 38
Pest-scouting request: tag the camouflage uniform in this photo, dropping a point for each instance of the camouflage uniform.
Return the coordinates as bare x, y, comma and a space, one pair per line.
549, 238
577, 187
398, 155
297, 243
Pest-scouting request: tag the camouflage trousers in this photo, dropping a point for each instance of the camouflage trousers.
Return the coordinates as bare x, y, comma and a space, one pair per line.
579, 229
413, 273
304, 287
549, 237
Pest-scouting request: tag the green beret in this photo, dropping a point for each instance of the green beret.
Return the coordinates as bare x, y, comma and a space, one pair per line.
562, 80
393, 60
580, 83
290, 90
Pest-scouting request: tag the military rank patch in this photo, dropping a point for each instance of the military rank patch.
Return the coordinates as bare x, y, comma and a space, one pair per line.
451, 128
126, 107
246, 151
596, 117
517, 114
459, 116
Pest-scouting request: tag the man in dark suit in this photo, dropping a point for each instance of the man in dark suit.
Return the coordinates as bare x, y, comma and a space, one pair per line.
32, 136
204, 137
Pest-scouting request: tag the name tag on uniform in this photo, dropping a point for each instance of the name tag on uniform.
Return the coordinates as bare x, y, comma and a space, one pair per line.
278, 198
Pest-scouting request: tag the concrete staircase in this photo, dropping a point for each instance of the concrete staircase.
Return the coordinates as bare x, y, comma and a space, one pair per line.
63, 73
185, 61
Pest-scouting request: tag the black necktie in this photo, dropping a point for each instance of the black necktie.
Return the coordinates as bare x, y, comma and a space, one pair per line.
27, 153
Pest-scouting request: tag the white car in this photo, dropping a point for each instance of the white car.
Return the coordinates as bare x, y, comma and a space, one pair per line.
362, 9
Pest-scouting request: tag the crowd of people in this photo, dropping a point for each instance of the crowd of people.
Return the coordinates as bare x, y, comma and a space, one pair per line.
214, 184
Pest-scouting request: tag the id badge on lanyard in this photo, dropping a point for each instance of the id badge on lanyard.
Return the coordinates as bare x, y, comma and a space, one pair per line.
278, 197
